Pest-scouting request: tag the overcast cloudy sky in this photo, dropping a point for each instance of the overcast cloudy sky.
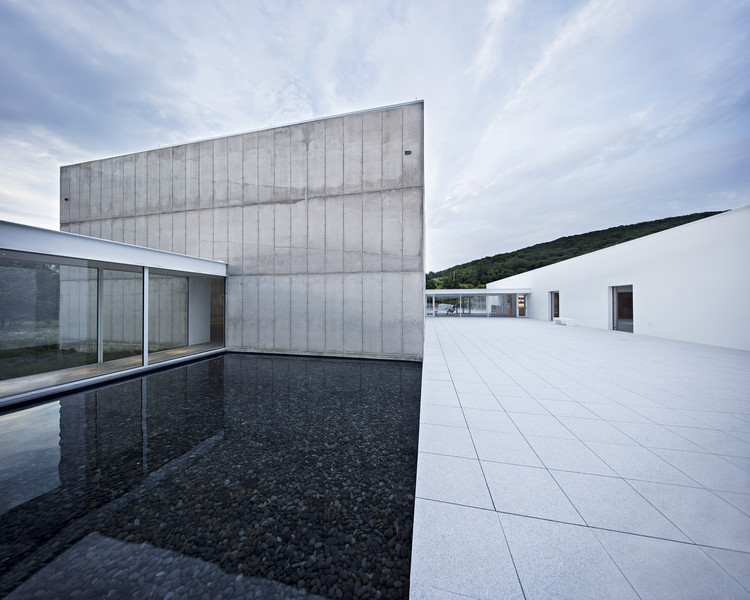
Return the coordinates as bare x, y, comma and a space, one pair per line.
543, 117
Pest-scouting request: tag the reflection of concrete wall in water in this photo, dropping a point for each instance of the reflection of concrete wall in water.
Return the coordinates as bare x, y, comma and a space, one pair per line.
321, 224
77, 309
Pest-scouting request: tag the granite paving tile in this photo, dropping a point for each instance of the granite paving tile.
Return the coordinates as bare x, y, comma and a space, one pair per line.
440, 439
711, 471
561, 561
652, 435
435, 414
504, 447
595, 496
666, 570
483, 401
490, 420
452, 479
596, 430
703, 516
568, 455
461, 553
528, 491
635, 462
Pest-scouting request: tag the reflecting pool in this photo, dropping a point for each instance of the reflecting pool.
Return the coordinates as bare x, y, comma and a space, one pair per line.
240, 476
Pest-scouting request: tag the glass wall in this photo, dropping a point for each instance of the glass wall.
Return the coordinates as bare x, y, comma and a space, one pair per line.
504, 305
447, 306
122, 315
429, 305
58, 317
41, 329
218, 298
167, 312
475, 304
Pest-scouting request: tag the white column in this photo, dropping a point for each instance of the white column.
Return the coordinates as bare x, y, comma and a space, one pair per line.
145, 316
100, 315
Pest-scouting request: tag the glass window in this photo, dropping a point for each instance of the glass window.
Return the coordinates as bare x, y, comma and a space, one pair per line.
122, 316
56, 318
503, 305
473, 305
167, 314
447, 306
47, 317
217, 311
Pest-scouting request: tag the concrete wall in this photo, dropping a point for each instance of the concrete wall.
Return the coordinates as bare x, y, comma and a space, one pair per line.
690, 283
321, 224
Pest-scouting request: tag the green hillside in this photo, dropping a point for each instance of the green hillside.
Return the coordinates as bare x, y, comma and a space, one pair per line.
477, 273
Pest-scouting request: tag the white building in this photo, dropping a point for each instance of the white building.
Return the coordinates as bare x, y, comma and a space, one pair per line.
689, 283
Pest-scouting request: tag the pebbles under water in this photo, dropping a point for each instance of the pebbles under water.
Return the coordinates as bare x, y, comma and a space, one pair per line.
243, 476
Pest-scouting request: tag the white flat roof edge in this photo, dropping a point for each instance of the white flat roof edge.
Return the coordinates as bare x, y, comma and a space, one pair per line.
228, 135
25, 238
477, 292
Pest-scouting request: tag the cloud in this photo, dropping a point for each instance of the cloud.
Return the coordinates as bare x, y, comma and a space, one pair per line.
542, 119
619, 91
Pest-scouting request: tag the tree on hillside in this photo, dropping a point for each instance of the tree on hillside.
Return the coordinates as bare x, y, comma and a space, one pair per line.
478, 273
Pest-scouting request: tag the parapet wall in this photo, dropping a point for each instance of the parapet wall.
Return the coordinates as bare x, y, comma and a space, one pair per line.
321, 224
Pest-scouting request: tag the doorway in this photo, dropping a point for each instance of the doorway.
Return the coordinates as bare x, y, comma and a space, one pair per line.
554, 305
622, 308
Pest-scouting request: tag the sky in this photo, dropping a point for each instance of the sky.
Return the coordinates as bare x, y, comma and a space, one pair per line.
543, 118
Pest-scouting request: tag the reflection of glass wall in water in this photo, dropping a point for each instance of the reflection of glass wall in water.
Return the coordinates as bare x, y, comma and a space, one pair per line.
184, 459
34, 296
22, 479
63, 459
122, 314
167, 312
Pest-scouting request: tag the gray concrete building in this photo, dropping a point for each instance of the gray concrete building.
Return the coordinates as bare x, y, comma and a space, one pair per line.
321, 224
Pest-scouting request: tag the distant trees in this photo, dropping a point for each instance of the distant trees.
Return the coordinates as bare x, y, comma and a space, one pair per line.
477, 273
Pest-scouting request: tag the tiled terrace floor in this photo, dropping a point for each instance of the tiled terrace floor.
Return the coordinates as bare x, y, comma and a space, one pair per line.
565, 462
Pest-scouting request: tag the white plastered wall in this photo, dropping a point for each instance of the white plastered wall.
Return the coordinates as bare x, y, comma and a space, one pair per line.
690, 283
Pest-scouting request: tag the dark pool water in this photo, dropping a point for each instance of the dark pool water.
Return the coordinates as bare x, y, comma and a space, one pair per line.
243, 476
